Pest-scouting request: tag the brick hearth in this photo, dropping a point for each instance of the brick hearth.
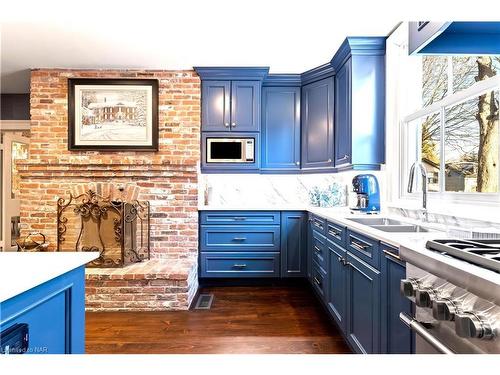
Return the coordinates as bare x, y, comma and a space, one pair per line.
167, 179
146, 286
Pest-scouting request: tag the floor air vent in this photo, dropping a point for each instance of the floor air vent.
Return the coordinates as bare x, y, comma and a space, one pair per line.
204, 302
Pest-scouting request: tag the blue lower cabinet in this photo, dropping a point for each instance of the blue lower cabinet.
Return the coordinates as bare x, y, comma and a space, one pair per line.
293, 244
240, 217
240, 238
236, 265
53, 314
337, 272
363, 306
320, 281
396, 337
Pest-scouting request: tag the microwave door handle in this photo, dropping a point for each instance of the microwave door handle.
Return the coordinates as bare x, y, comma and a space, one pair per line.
416, 326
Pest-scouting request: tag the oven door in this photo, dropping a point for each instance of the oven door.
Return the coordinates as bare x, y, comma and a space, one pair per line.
230, 150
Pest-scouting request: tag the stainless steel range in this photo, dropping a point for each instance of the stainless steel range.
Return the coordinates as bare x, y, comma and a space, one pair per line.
455, 286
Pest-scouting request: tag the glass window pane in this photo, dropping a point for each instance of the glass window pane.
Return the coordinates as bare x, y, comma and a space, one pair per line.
434, 79
466, 68
425, 136
472, 145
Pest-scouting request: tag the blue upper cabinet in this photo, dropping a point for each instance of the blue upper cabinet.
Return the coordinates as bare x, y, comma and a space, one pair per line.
215, 112
359, 66
245, 106
317, 125
343, 115
230, 98
280, 128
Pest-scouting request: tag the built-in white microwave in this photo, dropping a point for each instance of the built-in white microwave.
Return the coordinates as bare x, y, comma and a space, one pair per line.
230, 150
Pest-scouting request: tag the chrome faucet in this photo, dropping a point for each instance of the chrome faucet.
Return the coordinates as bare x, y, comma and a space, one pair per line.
423, 172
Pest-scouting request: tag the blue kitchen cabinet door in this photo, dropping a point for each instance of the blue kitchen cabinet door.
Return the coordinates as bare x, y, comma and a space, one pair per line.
337, 299
246, 238
396, 337
54, 312
343, 136
245, 106
280, 128
293, 244
215, 106
363, 306
317, 125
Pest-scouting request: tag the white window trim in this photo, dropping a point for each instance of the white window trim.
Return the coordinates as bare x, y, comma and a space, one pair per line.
475, 90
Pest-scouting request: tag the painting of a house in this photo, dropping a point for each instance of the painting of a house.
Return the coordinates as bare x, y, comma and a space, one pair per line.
114, 113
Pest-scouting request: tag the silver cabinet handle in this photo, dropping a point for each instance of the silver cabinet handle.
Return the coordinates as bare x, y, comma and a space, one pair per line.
233, 124
317, 249
239, 265
333, 232
239, 218
345, 157
297, 162
226, 124
329, 160
317, 281
239, 238
359, 246
392, 255
424, 333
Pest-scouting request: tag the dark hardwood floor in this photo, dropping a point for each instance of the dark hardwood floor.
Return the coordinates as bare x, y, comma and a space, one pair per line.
270, 319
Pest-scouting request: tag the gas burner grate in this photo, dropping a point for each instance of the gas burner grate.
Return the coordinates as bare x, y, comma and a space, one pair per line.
484, 253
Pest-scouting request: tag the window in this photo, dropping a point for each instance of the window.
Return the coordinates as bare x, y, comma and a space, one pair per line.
455, 133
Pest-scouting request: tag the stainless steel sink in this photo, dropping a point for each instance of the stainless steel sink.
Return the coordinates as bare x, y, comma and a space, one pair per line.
378, 221
406, 228
390, 225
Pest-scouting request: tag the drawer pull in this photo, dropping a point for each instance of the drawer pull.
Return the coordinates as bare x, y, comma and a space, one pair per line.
334, 232
317, 249
239, 239
317, 281
239, 266
239, 218
391, 254
318, 224
359, 246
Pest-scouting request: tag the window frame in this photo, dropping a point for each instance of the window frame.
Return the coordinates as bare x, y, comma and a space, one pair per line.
451, 99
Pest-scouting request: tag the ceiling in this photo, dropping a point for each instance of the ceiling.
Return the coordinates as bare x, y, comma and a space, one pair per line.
289, 36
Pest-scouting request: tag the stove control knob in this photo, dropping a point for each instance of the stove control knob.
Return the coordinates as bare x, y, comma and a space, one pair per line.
424, 297
444, 309
408, 287
469, 325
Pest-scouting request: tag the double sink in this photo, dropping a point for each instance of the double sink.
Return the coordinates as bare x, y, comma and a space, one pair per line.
390, 225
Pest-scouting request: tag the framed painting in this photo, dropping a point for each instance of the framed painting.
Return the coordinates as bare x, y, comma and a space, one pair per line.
113, 114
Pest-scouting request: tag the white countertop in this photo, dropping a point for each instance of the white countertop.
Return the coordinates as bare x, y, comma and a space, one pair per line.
20, 272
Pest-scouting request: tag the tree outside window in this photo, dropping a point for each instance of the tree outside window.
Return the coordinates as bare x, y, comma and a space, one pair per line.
470, 138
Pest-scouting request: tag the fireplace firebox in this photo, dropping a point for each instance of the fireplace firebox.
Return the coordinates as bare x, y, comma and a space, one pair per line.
119, 230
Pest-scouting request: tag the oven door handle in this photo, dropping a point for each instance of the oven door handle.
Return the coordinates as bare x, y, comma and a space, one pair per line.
424, 333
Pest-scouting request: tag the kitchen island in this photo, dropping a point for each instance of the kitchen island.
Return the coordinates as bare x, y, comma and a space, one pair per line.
42, 302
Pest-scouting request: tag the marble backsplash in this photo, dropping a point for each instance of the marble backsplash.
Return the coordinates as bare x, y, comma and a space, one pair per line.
326, 190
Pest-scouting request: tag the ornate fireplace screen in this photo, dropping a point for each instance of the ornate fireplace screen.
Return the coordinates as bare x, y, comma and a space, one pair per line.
118, 230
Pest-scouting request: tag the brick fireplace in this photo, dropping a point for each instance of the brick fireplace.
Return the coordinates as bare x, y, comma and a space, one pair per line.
167, 179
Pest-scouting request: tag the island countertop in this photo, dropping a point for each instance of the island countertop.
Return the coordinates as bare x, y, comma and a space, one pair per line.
20, 271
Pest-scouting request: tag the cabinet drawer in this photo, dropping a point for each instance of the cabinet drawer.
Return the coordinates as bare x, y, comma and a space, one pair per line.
365, 248
336, 233
319, 224
319, 251
319, 281
240, 238
239, 217
240, 264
